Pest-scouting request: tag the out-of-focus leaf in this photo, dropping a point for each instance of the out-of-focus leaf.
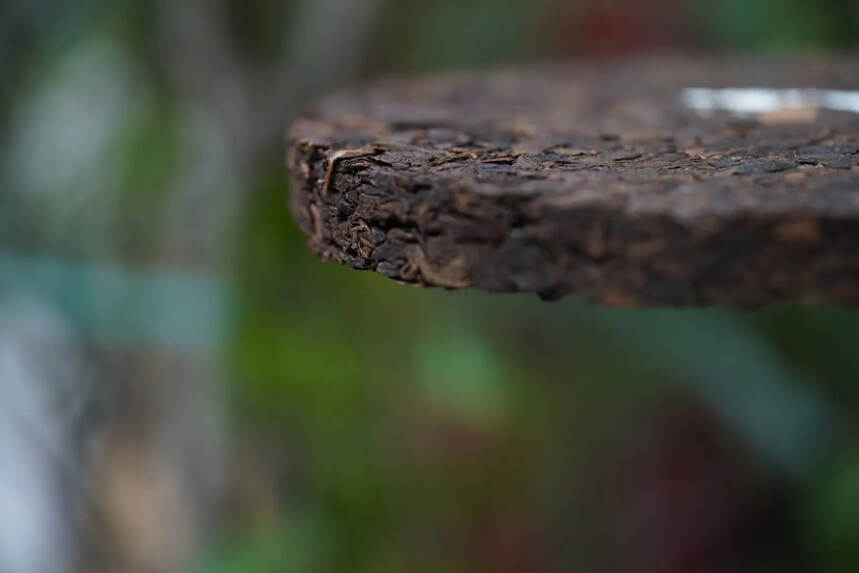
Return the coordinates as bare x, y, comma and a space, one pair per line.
833, 519
462, 374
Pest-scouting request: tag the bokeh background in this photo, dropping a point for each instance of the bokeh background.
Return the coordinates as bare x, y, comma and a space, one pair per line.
183, 387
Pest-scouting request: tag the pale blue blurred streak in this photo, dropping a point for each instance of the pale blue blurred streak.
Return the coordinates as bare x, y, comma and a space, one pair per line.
781, 413
178, 310
35, 460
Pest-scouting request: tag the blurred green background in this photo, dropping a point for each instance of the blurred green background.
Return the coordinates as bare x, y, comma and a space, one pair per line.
183, 387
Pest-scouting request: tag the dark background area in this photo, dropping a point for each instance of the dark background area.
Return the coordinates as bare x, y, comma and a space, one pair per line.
183, 387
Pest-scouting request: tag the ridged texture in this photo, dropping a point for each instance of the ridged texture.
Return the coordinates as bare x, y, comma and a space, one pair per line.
589, 180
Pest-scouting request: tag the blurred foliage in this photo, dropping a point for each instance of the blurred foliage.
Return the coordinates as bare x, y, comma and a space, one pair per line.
833, 524
783, 24
383, 428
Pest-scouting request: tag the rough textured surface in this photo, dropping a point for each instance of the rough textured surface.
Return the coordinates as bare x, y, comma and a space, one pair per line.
591, 180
